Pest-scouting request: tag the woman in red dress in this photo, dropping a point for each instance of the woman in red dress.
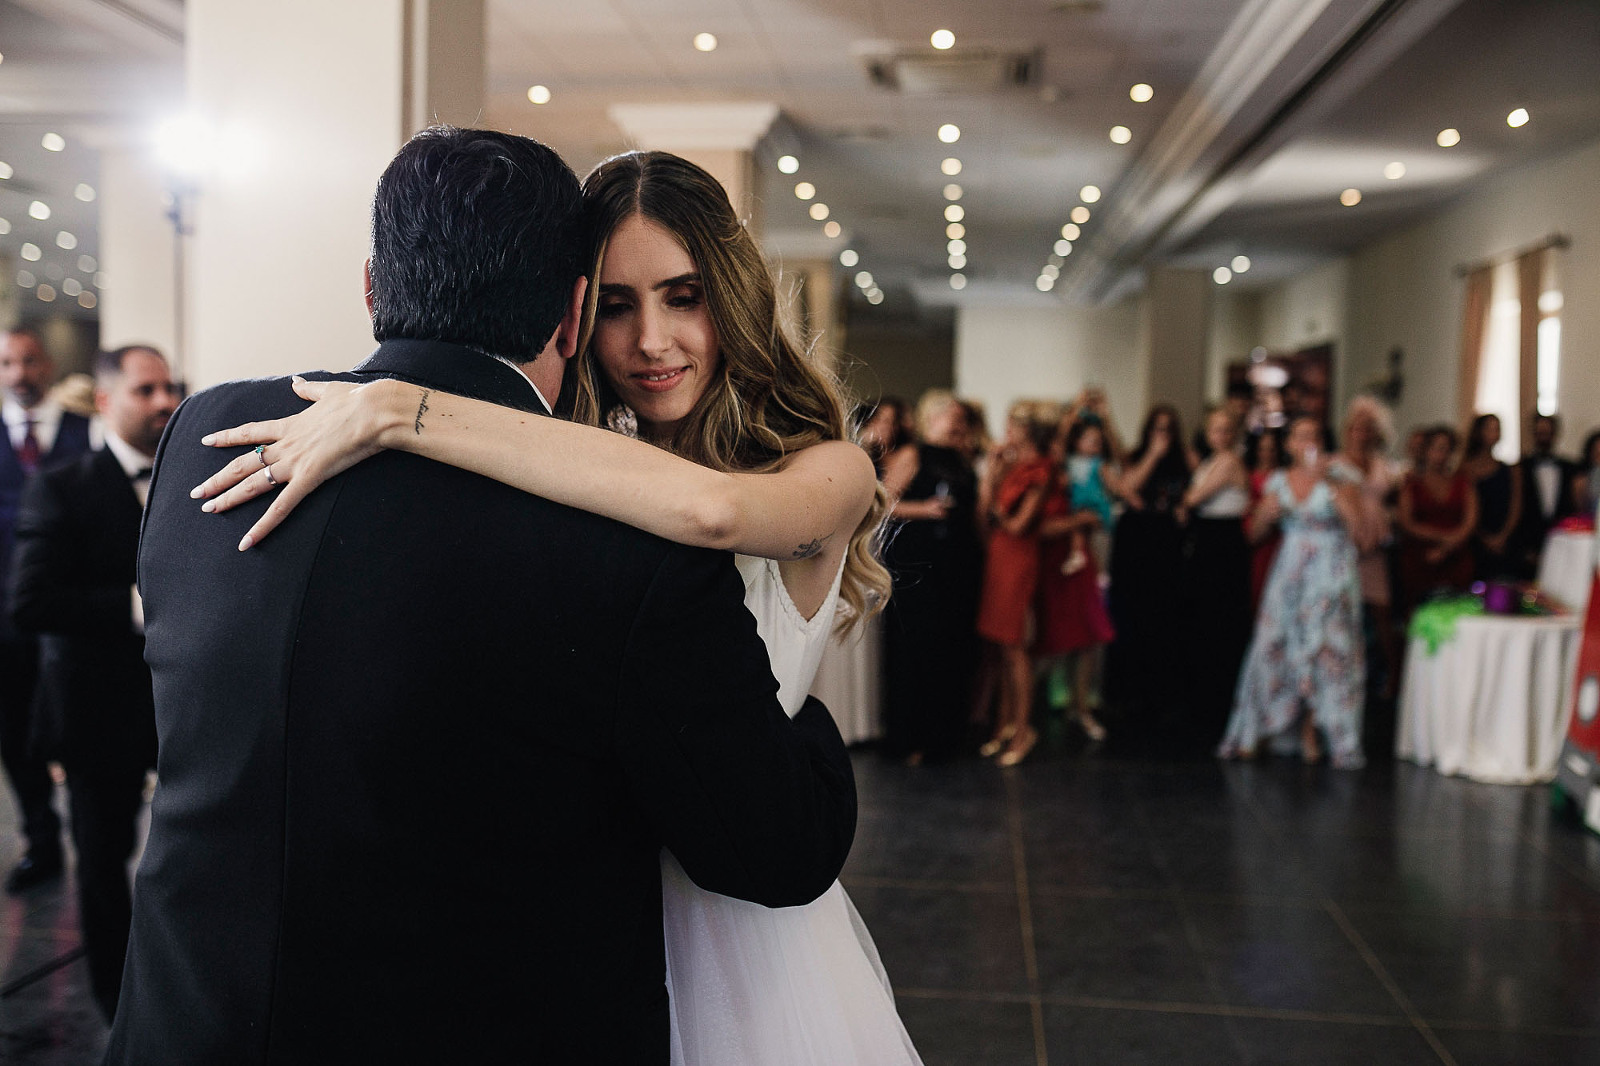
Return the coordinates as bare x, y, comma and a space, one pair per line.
1072, 608
1019, 479
1438, 512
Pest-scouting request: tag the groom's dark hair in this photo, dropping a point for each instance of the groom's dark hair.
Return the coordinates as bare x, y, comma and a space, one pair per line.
475, 242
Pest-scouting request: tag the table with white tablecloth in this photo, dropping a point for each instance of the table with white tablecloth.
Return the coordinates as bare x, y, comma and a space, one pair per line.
1566, 569
1492, 702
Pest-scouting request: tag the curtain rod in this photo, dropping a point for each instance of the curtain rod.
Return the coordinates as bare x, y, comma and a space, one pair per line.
1555, 240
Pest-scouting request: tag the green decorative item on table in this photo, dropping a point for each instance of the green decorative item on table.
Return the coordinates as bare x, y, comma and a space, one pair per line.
1435, 621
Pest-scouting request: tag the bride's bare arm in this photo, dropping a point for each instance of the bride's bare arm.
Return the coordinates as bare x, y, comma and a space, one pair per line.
806, 508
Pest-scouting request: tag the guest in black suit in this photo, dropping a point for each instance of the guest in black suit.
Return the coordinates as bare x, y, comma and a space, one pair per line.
73, 586
38, 434
1547, 498
421, 749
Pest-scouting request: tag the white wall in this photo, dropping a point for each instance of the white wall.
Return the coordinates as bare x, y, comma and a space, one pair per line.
137, 304
1404, 291
1005, 354
1235, 329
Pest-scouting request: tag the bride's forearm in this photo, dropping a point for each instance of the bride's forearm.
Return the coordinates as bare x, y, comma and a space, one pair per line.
580, 466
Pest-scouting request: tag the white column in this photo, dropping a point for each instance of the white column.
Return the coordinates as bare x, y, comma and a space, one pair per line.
138, 303
718, 137
308, 101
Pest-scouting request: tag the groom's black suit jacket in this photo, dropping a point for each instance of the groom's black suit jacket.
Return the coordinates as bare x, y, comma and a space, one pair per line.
419, 751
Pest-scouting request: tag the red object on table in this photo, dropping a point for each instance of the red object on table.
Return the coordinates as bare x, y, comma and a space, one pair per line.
1578, 772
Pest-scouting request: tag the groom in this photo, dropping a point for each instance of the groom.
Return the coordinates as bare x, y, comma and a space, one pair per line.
420, 750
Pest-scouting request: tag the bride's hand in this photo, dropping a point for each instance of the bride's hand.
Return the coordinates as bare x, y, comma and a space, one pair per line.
343, 426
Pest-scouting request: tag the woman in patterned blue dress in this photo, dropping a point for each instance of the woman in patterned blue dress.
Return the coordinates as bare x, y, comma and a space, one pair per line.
1305, 666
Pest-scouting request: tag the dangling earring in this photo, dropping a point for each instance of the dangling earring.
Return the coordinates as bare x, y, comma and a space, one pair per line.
621, 419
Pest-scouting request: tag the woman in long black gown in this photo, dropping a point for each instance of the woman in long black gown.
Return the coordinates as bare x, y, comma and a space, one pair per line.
1499, 489
1143, 668
930, 643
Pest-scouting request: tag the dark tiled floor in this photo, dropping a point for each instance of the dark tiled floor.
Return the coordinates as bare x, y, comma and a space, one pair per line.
1080, 910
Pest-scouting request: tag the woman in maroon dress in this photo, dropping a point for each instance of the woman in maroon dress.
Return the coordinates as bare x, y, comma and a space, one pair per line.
1019, 479
1438, 513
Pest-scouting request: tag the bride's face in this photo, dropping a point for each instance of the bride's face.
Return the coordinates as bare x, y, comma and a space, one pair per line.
653, 332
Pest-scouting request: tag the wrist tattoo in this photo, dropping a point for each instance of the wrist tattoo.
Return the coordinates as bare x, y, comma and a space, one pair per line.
422, 407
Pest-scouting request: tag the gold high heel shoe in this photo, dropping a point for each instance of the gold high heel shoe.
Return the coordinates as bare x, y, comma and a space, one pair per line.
1016, 752
997, 743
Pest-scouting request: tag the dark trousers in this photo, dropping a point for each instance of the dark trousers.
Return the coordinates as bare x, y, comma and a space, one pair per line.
30, 778
105, 815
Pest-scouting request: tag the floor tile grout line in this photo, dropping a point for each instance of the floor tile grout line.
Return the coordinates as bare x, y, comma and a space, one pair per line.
1376, 965
1234, 1010
1030, 955
1584, 875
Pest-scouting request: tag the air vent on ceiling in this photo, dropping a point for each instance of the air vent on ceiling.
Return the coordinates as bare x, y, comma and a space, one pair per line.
976, 70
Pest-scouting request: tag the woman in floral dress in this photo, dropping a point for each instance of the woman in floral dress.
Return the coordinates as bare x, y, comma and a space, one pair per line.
1305, 666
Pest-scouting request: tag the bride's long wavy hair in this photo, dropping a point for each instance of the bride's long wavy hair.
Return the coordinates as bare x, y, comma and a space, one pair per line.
767, 399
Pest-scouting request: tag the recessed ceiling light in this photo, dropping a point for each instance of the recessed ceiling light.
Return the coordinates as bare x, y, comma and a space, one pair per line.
1519, 117
47, 293
1089, 194
788, 164
1141, 93
955, 231
952, 191
1050, 271
87, 264
849, 258
39, 210
942, 39
1222, 275
954, 213
957, 247
864, 279
26, 280
5, 170
1079, 214
1071, 231
72, 286
1350, 197
875, 297
949, 133
66, 240
705, 42
819, 211
958, 281
805, 190
1395, 171
31, 252
52, 142
87, 299
1044, 284
1063, 248
538, 94
957, 262
1121, 135
832, 229
951, 167
1448, 138
1240, 264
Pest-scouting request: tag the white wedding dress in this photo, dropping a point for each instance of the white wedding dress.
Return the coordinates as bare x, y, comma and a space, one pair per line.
791, 986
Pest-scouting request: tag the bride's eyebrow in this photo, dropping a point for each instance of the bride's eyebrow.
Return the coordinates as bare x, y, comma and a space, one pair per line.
617, 288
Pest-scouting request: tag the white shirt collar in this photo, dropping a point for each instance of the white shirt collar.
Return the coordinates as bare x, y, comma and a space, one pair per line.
131, 459
542, 401
45, 412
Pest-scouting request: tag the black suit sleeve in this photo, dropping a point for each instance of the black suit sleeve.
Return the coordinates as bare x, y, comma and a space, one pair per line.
752, 804
49, 593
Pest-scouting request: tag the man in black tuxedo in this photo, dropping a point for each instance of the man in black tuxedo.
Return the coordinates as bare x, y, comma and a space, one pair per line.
1546, 493
38, 434
73, 585
420, 750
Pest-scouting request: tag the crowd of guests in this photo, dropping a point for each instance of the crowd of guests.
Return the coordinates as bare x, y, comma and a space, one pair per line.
1240, 591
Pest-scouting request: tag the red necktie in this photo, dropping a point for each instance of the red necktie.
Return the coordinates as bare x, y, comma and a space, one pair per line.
28, 453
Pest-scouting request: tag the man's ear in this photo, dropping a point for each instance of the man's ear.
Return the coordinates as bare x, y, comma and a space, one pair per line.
366, 283
572, 320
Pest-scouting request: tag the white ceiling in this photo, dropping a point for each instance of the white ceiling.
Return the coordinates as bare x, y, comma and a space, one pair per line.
1263, 111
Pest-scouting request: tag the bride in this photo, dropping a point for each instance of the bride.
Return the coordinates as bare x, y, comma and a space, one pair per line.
680, 347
